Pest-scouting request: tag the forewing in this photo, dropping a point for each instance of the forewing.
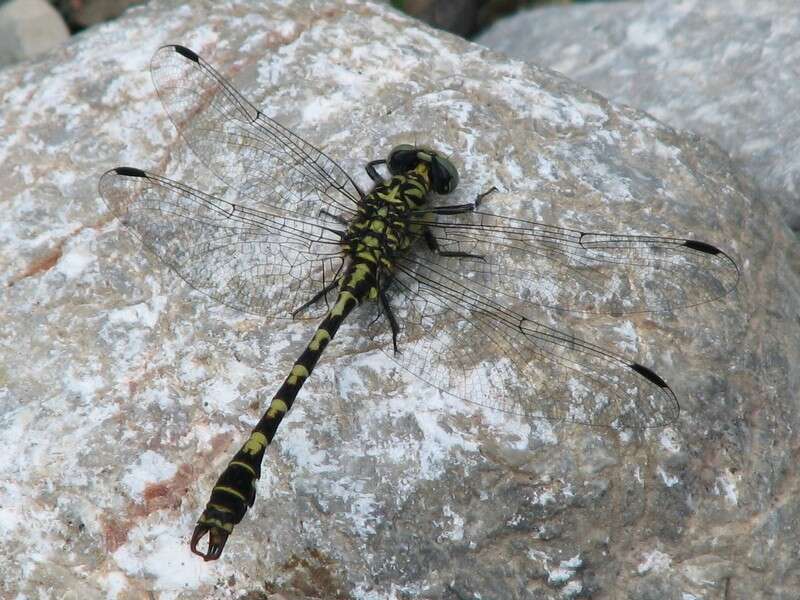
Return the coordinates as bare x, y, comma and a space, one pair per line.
578, 271
250, 152
459, 336
262, 262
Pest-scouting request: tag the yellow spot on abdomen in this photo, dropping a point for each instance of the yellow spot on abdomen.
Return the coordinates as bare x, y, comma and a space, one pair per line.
298, 372
256, 443
276, 407
245, 466
338, 309
231, 491
319, 337
216, 523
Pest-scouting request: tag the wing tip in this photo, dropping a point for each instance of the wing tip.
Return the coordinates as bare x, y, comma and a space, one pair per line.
185, 52
670, 409
129, 172
707, 248
702, 247
649, 374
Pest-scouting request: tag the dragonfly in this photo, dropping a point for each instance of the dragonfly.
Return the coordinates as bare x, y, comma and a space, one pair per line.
455, 293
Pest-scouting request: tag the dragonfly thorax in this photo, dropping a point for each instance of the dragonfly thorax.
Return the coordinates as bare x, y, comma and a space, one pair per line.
385, 223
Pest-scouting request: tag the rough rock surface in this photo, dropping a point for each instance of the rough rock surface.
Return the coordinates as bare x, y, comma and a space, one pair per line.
123, 392
727, 69
29, 28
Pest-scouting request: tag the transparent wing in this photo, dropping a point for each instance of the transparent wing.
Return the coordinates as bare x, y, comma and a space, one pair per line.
463, 338
262, 262
250, 152
578, 271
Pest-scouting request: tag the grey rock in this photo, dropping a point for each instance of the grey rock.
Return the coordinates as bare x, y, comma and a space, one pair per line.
29, 28
123, 392
727, 69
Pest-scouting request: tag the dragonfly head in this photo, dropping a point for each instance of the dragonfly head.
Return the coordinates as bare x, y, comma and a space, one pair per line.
443, 173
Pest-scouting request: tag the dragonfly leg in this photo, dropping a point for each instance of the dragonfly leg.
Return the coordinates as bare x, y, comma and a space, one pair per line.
479, 198
336, 218
433, 245
457, 209
384, 302
373, 172
317, 297
452, 209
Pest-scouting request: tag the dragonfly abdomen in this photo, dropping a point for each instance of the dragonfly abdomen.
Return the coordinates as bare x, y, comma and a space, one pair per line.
235, 490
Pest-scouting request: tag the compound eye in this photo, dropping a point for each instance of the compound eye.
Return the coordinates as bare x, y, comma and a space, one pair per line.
444, 175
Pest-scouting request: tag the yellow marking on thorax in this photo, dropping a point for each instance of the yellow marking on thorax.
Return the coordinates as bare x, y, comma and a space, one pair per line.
320, 336
391, 195
363, 254
278, 406
255, 443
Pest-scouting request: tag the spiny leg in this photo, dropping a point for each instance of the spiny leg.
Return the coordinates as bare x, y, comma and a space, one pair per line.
383, 305
480, 197
337, 218
384, 301
433, 245
317, 297
457, 209
373, 172
452, 209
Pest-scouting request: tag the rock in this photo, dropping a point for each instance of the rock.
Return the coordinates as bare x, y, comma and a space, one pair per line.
86, 13
726, 69
29, 28
457, 16
123, 392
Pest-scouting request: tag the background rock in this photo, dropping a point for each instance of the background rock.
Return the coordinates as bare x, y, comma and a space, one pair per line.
29, 28
123, 393
727, 69
80, 14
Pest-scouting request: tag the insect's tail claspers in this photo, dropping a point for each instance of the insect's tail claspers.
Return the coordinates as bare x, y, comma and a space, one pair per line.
233, 494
